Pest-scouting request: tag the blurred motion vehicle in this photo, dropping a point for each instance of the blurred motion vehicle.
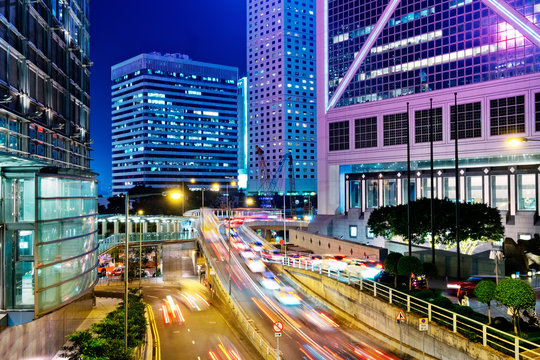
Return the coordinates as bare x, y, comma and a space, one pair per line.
248, 254
319, 319
238, 244
256, 245
272, 255
223, 349
287, 296
365, 269
105, 269
269, 281
255, 265
194, 301
171, 311
334, 262
417, 281
466, 287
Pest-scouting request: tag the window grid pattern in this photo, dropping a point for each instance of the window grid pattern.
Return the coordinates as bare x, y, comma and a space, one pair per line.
507, 115
421, 126
339, 135
425, 46
469, 121
365, 133
395, 129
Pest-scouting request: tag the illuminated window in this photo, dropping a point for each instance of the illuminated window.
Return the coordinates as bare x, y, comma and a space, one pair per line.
526, 188
499, 192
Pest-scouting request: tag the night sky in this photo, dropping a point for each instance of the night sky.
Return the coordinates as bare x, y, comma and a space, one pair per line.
207, 30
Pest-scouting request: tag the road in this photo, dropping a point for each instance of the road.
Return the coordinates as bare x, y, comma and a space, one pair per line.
201, 333
307, 333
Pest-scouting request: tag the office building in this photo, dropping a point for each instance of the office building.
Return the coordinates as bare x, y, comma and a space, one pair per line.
173, 119
48, 211
281, 78
242, 134
377, 58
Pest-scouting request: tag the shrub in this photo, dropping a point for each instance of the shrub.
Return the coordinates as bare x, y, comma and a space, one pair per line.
517, 295
408, 265
424, 294
443, 302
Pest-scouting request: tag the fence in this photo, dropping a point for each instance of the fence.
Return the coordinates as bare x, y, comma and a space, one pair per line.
504, 342
134, 238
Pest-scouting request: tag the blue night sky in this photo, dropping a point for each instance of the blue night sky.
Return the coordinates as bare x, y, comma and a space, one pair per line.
207, 30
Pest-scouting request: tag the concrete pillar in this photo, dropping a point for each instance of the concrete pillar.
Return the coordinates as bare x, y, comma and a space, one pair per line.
116, 227
512, 186
440, 191
158, 224
103, 227
399, 191
485, 187
145, 227
381, 192
363, 195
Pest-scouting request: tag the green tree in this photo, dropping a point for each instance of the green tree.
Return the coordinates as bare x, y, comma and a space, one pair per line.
409, 265
516, 295
390, 265
485, 292
430, 270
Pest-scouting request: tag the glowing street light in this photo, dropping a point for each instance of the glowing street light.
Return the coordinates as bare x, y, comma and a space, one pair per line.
516, 141
249, 201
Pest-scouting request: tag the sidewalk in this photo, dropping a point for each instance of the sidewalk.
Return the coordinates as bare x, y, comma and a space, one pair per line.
98, 313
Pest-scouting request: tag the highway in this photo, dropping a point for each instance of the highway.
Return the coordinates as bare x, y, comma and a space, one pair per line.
309, 332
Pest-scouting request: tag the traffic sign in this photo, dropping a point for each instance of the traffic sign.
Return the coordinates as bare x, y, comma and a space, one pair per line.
278, 334
423, 324
400, 316
278, 327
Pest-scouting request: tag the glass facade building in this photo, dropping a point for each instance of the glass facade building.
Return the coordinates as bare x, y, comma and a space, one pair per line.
48, 211
282, 99
173, 119
395, 71
243, 133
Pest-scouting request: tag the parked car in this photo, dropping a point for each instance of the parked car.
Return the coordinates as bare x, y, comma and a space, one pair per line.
417, 282
118, 271
105, 269
466, 287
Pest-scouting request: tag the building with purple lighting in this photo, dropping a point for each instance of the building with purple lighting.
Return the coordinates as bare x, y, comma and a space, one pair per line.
281, 96
388, 66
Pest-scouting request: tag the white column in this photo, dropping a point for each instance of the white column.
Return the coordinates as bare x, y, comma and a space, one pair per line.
158, 224
363, 182
418, 187
512, 186
116, 227
381, 192
462, 189
103, 227
485, 187
347, 195
399, 191
440, 194
145, 227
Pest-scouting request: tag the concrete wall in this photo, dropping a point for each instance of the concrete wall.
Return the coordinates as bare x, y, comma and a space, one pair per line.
378, 317
42, 338
178, 261
321, 244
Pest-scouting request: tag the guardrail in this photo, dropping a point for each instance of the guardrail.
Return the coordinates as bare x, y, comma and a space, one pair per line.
134, 239
504, 342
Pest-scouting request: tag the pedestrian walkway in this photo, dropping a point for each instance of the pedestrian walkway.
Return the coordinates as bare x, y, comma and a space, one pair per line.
99, 312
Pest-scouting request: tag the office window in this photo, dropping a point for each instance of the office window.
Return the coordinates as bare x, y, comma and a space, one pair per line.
449, 188
507, 115
526, 191
339, 135
390, 192
474, 189
499, 192
365, 133
422, 125
469, 121
353, 231
395, 129
412, 189
372, 194
355, 194
426, 188
537, 110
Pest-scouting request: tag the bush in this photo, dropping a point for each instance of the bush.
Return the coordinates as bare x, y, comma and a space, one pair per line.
424, 294
502, 323
464, 310
443, 302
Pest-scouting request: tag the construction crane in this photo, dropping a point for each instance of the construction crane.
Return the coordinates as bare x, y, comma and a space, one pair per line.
273, 184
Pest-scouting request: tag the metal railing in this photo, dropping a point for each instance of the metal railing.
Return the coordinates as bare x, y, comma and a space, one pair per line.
500, 340
118, 239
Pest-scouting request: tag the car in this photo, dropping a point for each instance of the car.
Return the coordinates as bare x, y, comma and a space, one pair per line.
105, 269
247, 254
256, 246
255, 265
272, 255
417, 281
334, 262
118, 271
194, 301
269, 281
365, 269
287, 296
467, 287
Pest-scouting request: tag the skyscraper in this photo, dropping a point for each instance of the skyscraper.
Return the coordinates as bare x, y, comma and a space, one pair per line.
281, 78
174, 119
49, 197
242, 134
379, 59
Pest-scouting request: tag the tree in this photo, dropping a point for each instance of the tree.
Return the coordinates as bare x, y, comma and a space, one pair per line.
485, 292
409, 265
516, 295
390, 265
430, 271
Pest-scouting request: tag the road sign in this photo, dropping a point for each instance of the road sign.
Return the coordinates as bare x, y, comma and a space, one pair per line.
400, 316
278, 327
278, 334
423, 324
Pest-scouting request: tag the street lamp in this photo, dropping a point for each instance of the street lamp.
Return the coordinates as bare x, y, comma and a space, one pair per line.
140, 212
233, 183
516, 141
249, 202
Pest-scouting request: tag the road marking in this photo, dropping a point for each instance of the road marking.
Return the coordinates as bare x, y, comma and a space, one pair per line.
212, 322
193, 342
198, 358
152, 296
176, 332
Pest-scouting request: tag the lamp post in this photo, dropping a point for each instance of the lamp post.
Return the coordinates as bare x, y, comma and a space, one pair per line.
516, 141
408, 183
229, 235
126, 281
140, 212
457, 185
432, 184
